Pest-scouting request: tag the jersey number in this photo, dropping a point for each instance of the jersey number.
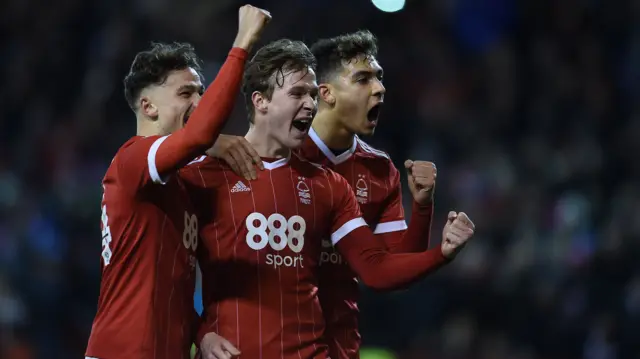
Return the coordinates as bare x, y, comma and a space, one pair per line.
275, 230
106, 236
190, 234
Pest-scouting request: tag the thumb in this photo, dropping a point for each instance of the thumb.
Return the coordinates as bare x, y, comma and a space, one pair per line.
463, 217
408, 164
466, 220
452, 216
230, 348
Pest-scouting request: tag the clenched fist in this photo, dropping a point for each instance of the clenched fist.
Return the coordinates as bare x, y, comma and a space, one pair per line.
252, 21
421, 176
456, 233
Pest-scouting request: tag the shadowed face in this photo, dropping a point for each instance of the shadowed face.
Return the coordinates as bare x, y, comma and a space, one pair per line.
172, 102
358, 93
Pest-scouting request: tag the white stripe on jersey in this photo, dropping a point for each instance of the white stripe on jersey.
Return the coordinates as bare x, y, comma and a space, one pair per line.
197, 160
387, 227
366, 147
347, 228
328, 153
151, 162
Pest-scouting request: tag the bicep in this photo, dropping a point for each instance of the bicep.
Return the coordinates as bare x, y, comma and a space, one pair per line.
137, 163
346, 212
392, 216
171, 153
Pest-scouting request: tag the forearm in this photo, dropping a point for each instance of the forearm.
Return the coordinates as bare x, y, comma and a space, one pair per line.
207, 120
416, 237
382, 270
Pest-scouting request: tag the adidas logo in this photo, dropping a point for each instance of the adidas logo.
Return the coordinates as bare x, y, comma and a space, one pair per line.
240, 187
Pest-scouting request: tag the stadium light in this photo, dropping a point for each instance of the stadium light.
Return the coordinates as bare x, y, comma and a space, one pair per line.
388, 5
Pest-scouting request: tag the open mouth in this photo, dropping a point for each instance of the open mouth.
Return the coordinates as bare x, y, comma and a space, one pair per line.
374, 112
302, 124
187, 114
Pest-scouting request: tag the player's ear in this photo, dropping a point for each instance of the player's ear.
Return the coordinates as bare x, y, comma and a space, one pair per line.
147, 107
325, 93
260, 102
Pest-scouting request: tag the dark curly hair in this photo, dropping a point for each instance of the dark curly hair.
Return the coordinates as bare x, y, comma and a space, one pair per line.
330, 53
267, 68
153, 66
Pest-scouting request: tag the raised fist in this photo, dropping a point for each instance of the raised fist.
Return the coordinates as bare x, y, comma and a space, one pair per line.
421, 176
456, 233
252, 20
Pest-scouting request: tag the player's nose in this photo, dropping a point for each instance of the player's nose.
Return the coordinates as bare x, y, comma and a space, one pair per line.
196, 100
310, 104
378, 89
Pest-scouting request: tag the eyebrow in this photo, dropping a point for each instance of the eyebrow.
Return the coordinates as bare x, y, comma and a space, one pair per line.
190, 87
310, 89
378, 73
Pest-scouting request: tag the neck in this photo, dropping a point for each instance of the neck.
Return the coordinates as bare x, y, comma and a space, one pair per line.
146, 127
264, 145
331, 131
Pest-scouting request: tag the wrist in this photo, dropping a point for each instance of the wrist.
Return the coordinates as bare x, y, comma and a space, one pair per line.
424, 200
447, 257
202, 332
243, 42
423, 206
239, 53
452, 253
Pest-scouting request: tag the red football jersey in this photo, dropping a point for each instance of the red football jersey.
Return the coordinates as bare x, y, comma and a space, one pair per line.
150, 234
149, 238
261, 249
376, 183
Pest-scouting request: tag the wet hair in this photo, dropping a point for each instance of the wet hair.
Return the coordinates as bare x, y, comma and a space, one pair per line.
153, 66
269, 66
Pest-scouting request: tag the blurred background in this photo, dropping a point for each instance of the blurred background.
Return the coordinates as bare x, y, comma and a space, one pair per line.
527, 107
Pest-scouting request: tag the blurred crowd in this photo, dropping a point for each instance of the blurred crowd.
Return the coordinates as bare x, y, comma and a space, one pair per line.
527, 107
